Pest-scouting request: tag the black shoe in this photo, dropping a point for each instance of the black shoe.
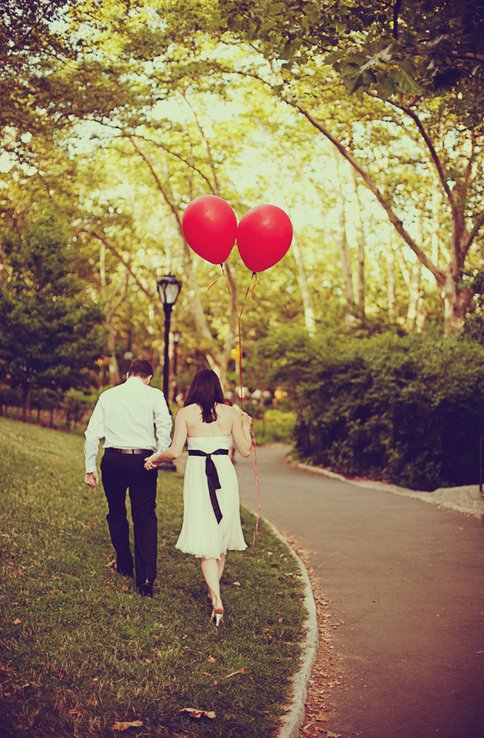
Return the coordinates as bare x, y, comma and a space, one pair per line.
146, 589
124, 572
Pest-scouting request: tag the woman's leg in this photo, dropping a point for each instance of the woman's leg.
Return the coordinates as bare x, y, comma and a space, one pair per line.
210, 571
220, 564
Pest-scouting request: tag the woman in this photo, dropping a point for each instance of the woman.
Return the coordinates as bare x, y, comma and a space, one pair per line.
211, 519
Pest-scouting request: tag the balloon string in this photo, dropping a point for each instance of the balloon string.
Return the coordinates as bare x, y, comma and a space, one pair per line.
239, 335
250, 290
259, 499
215, 282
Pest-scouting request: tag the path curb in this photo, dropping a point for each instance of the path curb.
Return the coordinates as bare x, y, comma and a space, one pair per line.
462, 502
294, 717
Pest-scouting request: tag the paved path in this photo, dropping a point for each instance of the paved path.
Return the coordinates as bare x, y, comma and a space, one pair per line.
406, 581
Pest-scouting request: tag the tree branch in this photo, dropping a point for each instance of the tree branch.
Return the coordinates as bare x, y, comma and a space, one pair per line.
130, 135
216, 188
431, 149
394, 219
127, 266
114, 308
196, 304
479, 221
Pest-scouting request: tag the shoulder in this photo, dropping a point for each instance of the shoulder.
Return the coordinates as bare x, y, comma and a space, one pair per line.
225, 411
188, 411
183, 416
153, 392
111, 392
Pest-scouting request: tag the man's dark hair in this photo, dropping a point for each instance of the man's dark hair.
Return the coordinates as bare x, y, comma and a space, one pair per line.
140, 368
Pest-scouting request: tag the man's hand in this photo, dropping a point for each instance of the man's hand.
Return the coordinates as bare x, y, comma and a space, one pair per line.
91, 479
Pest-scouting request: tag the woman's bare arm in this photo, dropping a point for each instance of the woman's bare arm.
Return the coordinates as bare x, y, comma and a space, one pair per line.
177, 444
241, 432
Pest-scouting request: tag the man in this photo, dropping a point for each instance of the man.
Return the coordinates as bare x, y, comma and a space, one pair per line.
134, 420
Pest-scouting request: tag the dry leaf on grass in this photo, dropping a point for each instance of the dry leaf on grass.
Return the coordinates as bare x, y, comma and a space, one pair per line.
126, 726
242, 670
196, 713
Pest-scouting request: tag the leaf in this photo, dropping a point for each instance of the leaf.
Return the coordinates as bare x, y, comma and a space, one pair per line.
17, 621
242, 670
196, 713
126, 726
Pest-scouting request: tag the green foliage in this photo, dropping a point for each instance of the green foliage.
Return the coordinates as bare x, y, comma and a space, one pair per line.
409, 48
82, 650
50, 327
405, 409
276, 426
474, 323
77, 403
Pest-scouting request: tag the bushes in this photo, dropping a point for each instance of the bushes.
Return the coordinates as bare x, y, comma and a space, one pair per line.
276, 426
63, 408
402, 409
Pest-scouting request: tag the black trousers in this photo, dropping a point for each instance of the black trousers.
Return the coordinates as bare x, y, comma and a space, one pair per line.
119, 473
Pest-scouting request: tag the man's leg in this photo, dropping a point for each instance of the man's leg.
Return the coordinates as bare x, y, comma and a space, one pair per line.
142, 490
114, 479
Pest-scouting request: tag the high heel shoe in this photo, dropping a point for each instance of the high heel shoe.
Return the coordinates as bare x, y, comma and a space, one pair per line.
217, 615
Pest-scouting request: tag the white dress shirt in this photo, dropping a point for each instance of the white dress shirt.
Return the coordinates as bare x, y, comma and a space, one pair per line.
131, 415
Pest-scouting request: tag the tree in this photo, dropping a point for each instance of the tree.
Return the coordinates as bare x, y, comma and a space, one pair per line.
406, 58
50, 328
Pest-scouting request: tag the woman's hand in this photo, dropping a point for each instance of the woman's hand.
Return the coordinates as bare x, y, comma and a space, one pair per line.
151, 462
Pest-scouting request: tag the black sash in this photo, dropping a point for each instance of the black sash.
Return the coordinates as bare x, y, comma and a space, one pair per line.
212, 476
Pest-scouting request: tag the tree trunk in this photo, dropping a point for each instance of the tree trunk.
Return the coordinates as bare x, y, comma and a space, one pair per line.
114, 373
26, 397
345, 255
414, 296
361, 281
307, 304
457, 301
391, 289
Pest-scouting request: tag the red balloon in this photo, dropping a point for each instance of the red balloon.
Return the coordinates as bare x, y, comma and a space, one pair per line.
210, 225
263, 237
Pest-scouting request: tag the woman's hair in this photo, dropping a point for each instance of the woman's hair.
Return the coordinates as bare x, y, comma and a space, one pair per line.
205, 390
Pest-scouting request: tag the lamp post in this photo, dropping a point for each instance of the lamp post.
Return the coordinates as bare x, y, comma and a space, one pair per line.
176, 341
168, 289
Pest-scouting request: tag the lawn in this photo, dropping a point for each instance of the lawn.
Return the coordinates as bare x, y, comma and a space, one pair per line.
83, 653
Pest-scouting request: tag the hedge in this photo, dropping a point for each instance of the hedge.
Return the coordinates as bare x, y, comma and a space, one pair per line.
404, 409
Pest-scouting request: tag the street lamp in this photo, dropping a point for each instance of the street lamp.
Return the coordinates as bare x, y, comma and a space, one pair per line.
168, 289
176, 341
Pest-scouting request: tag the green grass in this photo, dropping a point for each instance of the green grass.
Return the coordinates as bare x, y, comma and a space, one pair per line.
82, 650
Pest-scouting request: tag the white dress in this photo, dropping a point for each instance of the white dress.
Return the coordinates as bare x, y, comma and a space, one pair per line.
201, 534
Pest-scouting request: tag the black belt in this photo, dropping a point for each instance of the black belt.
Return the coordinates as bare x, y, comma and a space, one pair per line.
212, 476
146, 452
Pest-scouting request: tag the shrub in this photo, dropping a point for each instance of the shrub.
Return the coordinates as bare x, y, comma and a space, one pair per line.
277, 426
402, 409
77, 403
